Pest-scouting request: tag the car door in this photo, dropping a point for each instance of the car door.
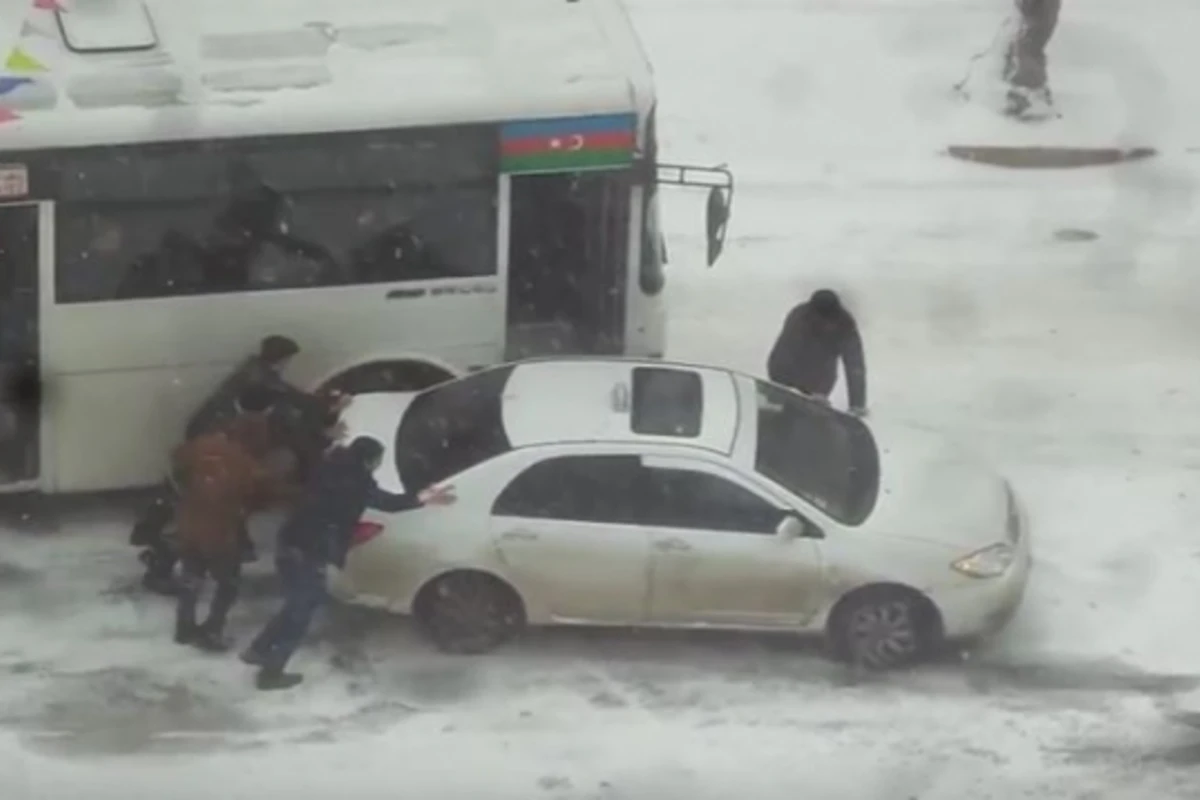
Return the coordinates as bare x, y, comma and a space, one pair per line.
716, 557
566, 531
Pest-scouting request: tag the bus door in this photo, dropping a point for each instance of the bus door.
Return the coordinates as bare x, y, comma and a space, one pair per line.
20, 408
568, 263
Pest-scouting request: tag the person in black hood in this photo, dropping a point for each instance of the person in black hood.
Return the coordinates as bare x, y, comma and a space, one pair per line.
318, 533
815, 336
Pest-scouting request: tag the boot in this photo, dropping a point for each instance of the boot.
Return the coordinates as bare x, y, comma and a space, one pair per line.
185, 634
209, 640
253, 658
271, 679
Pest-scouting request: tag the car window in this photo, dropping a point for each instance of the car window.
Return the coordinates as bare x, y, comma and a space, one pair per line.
680, 498
451, 427
576, 488
827, 458
667, 402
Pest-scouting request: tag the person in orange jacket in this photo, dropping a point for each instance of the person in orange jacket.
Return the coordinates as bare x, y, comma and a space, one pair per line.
224, 481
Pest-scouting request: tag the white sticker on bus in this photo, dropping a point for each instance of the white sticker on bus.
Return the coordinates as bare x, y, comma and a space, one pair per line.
14, 180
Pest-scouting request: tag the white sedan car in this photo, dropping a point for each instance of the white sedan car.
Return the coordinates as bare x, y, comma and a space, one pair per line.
621, 492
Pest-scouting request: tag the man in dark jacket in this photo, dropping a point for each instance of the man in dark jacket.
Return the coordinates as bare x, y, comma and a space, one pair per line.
316, 534
260, 375
263, 369
815, 336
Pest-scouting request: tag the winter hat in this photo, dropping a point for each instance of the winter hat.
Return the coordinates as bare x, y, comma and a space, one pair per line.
825, 302
274, 349
366, 449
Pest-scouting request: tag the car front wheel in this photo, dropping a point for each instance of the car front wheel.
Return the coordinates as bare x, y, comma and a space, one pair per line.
469, 613
884, 628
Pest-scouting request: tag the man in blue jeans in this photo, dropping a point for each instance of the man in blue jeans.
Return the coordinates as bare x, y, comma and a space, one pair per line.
317, 534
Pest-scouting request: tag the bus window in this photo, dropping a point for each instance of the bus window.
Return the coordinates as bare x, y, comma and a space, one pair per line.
276, 220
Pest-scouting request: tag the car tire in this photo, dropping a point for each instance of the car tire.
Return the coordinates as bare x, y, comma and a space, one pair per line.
469, 613
884, 628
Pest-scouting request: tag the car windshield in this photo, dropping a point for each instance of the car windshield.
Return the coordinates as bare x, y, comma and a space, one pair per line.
452, 427
826, 458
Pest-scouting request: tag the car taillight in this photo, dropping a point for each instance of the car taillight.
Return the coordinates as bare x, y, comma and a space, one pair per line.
365, 532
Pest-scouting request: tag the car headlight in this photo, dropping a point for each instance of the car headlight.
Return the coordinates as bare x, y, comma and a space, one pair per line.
990, 562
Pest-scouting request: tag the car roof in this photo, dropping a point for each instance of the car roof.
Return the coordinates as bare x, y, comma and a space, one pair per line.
570, 400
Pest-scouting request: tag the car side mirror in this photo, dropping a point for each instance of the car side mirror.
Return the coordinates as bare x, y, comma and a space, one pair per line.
791, 527
716, 220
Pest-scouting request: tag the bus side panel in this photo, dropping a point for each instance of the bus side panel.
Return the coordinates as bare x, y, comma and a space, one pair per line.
115, 426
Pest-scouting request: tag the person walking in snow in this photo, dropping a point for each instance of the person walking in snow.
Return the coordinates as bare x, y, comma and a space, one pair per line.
316, 534
223, 480
1029, 93
815, 336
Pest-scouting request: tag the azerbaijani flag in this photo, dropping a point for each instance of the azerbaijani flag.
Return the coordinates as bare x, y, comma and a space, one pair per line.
567, 144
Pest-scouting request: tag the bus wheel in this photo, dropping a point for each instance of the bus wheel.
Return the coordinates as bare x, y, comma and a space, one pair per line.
389, 376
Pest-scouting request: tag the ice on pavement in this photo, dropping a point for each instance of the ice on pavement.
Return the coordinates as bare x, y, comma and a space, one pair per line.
1070, 364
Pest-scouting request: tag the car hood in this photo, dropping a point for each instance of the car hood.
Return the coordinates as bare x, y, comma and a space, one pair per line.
935, 491
378, 415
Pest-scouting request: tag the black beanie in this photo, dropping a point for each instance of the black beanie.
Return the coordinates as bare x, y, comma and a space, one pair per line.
366, 449
825, 301
274, 349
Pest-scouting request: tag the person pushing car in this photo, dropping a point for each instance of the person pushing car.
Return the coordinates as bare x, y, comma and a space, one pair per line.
815, 336
318, 533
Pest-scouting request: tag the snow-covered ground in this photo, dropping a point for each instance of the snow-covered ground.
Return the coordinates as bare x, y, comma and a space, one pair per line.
1071, 364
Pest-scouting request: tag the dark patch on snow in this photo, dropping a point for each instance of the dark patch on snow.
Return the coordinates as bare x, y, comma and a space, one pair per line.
125, 711
14, 576
1098, 676
1075, 235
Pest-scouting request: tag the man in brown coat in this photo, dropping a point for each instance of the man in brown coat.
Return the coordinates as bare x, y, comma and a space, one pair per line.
224, 481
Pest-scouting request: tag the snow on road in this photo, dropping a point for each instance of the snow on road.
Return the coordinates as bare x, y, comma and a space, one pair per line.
1070, 364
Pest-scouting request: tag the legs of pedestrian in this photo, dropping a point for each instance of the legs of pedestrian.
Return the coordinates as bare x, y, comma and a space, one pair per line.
160, 559
305, 593
249, 552
191, 581
150, 532
211, 633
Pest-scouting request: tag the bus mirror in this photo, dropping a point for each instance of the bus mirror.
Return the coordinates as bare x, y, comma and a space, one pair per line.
716, 220
719, 182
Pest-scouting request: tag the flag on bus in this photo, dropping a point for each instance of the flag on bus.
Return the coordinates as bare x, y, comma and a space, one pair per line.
599, 141
21, 62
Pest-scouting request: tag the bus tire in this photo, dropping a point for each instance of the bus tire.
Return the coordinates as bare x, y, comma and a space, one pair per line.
389, 376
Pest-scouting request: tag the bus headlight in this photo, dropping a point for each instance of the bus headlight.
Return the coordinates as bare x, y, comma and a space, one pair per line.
990, 562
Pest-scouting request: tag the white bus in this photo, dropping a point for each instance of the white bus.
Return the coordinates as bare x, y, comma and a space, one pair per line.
410, 190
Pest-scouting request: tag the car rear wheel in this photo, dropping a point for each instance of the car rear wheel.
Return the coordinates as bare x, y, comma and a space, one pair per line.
882, 628
469, 613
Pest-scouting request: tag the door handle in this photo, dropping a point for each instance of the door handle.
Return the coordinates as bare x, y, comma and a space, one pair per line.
672, 545
518, 536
